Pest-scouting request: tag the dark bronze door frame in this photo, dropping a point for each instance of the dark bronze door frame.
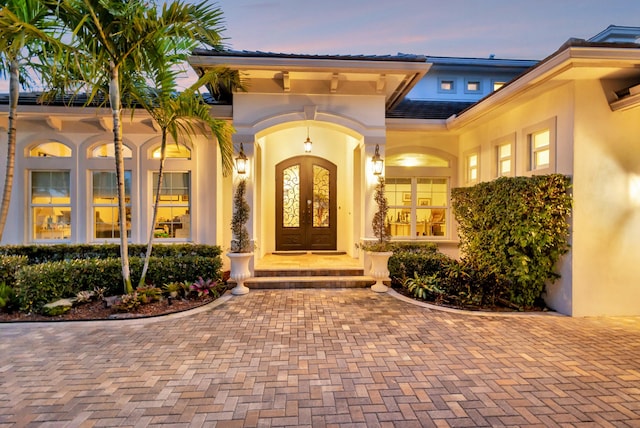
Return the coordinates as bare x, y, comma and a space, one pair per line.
305, 204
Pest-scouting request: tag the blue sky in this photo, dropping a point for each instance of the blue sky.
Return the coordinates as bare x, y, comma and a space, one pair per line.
527, 29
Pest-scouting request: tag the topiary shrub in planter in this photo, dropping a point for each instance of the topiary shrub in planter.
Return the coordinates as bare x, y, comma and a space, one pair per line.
379, 251
240, 255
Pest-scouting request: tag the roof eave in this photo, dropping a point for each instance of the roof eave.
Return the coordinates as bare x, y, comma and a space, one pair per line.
569, 56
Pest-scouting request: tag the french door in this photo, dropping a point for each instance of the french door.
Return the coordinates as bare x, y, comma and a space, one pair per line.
305, 204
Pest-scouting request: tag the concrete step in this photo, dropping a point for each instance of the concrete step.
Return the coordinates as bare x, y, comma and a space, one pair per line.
285, 282
280, 272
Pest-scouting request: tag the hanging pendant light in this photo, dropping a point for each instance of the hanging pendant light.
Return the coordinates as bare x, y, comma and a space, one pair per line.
308, 143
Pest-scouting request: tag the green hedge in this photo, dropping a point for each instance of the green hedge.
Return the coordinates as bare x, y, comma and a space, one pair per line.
9, 266
415, 258
58, 252
39, 284
515, 230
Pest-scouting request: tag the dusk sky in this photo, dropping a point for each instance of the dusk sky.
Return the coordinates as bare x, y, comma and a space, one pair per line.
526, 29
522, 29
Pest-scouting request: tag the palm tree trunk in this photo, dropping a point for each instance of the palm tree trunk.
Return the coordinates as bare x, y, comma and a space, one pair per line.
155, 207
114, 99
11, 143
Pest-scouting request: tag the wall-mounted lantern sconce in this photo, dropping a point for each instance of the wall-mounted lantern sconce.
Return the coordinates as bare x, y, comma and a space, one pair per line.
308, 143
241, 161
378, 163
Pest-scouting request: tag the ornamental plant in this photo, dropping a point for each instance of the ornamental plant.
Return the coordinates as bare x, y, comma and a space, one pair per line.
379, 220
240, 242
515, 230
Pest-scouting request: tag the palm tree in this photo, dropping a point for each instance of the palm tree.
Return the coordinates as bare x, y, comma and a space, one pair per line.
24, 35
120, 40
183, 115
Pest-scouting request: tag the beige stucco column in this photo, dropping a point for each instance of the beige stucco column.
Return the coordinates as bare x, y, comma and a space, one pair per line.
369, 181
248, 147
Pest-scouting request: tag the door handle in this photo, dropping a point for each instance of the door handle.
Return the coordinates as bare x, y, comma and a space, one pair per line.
309, 212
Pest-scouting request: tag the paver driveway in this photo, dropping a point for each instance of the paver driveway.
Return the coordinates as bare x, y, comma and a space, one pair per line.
322, 358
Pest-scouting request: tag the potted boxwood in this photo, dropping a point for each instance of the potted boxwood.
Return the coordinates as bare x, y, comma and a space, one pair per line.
240, 254
379, 252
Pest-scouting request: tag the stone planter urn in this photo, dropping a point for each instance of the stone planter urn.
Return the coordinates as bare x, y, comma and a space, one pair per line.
379, 269
240, 271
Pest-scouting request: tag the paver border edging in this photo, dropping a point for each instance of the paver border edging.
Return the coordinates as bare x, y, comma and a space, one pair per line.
130, 321
426, 305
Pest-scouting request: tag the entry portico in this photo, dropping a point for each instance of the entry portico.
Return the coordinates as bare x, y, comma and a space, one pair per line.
323, 197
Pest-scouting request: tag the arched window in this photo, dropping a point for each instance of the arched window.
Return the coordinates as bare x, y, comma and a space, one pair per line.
53, 149
172, 151
107, 151
417, 159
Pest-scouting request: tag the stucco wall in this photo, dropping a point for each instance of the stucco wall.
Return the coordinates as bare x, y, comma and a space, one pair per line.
607, 206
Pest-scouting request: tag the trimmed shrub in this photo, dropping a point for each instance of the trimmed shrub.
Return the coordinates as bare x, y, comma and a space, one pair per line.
9, 266
411, 259
515, 229
59, 252
41, 283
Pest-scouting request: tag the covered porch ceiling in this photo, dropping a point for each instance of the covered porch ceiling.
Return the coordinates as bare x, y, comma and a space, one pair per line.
390, 76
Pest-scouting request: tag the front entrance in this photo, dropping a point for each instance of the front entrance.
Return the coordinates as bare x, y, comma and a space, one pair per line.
305, 204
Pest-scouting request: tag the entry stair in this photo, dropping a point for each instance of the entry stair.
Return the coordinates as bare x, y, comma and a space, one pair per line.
310, 276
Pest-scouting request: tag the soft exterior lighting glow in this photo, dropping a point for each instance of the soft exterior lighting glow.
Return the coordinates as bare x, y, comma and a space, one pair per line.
377, 161
634, 190
241, 161
308, 143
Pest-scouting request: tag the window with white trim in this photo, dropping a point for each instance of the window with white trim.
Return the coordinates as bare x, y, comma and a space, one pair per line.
107, 151
50, 205
472, 167
52, 149
173, 151
104, 200
418, 207
504, 155
540, 150
173, 220
540, 147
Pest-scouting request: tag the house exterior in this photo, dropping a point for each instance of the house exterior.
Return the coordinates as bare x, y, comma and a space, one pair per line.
436, 122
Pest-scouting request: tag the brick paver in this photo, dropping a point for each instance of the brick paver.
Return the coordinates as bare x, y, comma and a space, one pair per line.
322, 358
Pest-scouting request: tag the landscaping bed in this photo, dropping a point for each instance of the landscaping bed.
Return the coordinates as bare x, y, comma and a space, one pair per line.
97, 311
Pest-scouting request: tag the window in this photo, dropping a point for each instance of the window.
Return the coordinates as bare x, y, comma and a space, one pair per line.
107, 151
173, 151
173, 220
418, 207
472, 166
473, 87
497, 85
504, 156
446, 85
50, 205
540, 147
105, 204
52, 149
